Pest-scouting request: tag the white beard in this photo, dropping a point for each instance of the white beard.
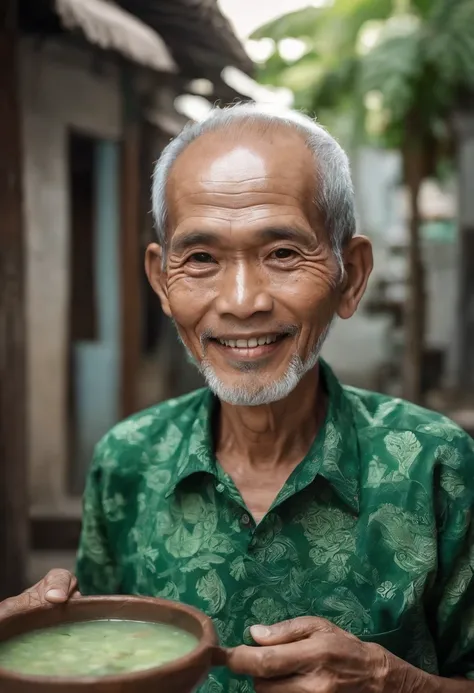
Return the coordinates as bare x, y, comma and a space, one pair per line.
257, 395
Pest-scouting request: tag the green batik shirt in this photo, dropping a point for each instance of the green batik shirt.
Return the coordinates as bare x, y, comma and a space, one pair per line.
373, 530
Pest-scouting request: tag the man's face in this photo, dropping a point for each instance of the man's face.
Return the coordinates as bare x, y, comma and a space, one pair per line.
250, 279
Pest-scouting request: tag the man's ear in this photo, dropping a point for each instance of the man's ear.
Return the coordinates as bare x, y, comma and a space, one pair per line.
358, 263
156, 274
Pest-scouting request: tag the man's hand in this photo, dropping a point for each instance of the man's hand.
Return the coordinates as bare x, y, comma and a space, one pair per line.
310, 655
57, 587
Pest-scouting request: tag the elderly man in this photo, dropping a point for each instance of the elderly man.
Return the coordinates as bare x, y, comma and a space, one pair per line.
330, 526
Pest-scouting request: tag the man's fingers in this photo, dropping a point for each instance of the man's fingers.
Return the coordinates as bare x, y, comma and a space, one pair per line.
259, 662
33, 588
268, 662
23, 602
8, 606
291, 631
58, 586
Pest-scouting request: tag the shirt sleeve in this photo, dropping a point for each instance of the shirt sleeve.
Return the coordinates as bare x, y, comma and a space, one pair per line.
455, 580
96, 569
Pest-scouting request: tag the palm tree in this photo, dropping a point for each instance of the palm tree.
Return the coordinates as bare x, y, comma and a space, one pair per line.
400, 69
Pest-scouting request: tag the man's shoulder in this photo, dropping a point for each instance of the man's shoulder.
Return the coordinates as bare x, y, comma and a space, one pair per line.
140, 437
378, 414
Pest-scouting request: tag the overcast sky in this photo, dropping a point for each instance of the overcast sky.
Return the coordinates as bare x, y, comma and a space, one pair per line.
248, 15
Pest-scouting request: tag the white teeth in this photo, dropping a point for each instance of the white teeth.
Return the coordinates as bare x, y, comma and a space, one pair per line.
249, 343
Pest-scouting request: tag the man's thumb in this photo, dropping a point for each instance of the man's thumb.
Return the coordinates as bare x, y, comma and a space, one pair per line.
284, 632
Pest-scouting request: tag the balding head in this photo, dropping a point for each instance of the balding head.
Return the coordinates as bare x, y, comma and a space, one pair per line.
332, 191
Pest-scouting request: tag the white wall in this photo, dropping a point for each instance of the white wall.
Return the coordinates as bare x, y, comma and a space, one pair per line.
59, 90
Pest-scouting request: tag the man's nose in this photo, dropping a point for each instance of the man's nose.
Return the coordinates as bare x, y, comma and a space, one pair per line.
243, 292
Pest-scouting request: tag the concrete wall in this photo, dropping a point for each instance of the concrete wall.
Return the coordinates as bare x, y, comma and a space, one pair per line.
60, 89
442, 286
358, 347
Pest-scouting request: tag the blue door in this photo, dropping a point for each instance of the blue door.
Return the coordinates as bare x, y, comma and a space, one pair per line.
96, 363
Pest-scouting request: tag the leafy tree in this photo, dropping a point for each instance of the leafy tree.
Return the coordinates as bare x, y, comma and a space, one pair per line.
398, 69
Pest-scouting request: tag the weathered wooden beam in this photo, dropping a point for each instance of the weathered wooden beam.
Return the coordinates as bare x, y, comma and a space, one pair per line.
13, 462
130, 261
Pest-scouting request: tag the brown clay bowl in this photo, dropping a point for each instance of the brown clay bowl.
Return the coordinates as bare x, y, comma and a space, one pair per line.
180, 676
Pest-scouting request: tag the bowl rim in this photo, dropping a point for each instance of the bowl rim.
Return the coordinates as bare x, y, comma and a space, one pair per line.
206, 642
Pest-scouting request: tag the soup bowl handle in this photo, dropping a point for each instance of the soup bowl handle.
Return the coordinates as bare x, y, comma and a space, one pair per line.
218, 656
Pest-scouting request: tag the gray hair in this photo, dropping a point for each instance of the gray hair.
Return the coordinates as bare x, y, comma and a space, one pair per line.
334, 195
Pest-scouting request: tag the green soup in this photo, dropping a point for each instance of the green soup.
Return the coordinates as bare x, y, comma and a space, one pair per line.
95, 648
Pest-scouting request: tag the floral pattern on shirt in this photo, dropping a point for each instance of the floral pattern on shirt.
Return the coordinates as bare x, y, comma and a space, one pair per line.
373, 530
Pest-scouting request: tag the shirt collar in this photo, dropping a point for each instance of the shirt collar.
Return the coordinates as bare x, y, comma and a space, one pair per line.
334, 453
196, 454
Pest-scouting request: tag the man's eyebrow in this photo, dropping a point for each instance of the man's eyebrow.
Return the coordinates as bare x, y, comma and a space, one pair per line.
185, 241
288, 233
189, 240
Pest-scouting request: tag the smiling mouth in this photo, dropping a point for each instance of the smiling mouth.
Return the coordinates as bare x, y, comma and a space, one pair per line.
251, 343
252, 348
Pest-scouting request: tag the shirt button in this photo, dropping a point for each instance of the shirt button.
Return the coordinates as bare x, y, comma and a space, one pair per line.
220, 487
245, 520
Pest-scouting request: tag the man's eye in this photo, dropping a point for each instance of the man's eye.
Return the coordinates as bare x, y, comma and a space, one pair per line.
283, 253
202, 258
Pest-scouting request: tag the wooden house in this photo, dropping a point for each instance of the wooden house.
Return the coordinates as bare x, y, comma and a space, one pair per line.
87, 103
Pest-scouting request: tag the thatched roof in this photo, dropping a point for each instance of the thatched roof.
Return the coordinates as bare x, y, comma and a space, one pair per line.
110, 27
200, 38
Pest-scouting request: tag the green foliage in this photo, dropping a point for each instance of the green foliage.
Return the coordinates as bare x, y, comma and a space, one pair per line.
420, 63
294, 24
450, 44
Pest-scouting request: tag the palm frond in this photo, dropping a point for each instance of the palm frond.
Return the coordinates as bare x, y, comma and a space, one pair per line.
393, 68
421, 64
336, 83
449, 43
294, 25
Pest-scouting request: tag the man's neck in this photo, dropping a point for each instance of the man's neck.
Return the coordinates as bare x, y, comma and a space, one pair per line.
276, 434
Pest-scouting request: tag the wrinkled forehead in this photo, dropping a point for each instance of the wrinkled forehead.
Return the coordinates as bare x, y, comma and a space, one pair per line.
259, 166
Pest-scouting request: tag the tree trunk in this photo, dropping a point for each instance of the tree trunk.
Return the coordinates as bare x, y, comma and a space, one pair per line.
415, 307
464, 131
